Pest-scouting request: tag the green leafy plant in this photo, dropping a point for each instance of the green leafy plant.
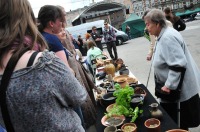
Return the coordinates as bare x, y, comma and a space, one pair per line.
123, 95
122, 105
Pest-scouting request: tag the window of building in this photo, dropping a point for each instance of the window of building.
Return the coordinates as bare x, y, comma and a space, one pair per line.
180, 5
187, 3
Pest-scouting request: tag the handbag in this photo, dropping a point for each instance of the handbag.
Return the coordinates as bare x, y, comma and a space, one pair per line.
4, 84
174, 95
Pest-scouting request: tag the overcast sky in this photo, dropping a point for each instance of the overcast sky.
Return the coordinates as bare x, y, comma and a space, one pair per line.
67, 4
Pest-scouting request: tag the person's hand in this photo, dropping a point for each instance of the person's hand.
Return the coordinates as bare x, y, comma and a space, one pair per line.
165, 89
149, 57
104, 53
98, 39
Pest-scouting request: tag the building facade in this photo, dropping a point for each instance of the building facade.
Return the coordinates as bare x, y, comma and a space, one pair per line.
132, 6
139, 6
114, 18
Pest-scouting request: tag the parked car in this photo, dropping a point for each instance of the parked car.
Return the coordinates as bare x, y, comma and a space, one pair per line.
87, 28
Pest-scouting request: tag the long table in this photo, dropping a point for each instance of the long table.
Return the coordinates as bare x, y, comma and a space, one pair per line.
166, 123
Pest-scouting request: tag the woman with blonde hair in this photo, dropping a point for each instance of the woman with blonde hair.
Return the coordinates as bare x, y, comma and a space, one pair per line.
92, 52
87, 111
42, 91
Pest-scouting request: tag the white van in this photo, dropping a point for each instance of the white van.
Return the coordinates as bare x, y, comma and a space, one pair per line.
87, 28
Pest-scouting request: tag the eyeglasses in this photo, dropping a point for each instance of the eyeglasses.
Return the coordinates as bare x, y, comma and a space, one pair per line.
105, 24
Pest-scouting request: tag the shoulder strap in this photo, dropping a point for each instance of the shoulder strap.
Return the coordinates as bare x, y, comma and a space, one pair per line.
32, 58
3, 88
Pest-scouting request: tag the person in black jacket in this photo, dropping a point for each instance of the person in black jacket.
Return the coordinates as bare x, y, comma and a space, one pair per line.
128, 31
97, 38
82, 50
177, 22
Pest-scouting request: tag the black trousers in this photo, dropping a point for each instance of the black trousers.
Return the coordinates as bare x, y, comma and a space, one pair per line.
112, 45
99, 45
189, 112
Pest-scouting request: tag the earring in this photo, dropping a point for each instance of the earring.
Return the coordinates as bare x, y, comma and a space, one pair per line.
52, 30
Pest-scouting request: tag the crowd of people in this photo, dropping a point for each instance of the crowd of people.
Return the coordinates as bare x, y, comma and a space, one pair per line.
49, 88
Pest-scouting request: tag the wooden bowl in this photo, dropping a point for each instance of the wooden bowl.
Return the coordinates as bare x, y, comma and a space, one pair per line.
115, 120
126, 127
122, 82
127, 78
120, 77
132, 80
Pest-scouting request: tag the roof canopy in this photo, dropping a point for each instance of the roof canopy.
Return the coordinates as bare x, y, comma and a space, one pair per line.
136, 25
188, 12
133, 18
100, 8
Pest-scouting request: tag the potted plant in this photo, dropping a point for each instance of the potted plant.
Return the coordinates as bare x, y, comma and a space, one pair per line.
122, 103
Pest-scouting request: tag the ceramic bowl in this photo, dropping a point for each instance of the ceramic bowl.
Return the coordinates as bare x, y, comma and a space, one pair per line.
129, 127
115, 79
124, 72
140, 91
109, 107
122, 82
99, 69
132, 80
136, 100
110, 129
108, 99
177, 130
152, 125
110, 89
115, 120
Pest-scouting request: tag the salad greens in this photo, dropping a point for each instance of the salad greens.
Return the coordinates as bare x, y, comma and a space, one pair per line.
122, 105
123, 95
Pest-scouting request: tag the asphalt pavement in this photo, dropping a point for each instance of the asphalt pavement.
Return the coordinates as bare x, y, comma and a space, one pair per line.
134, 53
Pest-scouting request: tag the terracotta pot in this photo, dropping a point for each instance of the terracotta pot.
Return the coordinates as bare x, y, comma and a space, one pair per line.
122, 82
152, 125
140, 91
109, 107
123, 128
105, 119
